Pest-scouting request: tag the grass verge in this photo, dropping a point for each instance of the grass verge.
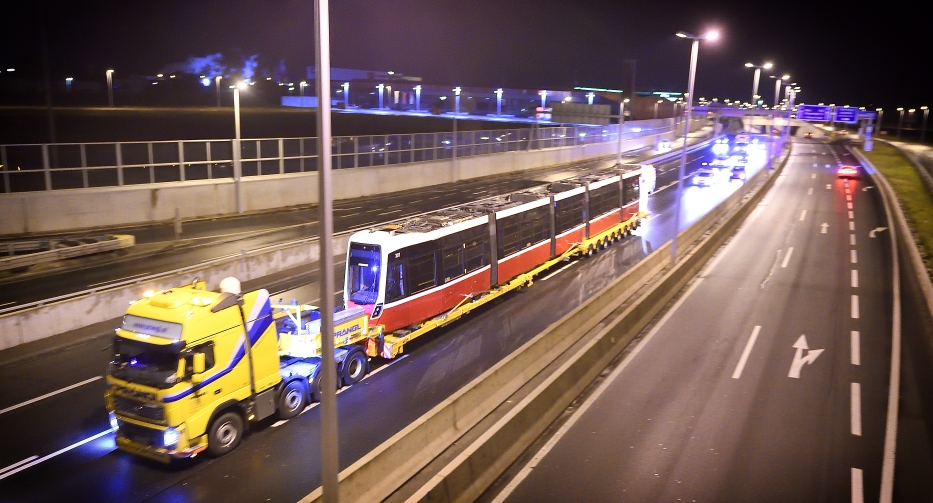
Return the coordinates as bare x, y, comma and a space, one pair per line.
913, 197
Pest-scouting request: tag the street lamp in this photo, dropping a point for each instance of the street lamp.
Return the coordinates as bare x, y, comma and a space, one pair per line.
381, 88
68, 81
301, 90
656, 108
456, 91
900, 123
110, 88
880, 115
923, 128
418, 97
777, 88
346, 95
499, 101
621, 120
695, 47
237, 165
766, 66
589, 97
543, 95
217, 85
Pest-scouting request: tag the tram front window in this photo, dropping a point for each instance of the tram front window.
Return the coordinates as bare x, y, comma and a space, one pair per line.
363, 271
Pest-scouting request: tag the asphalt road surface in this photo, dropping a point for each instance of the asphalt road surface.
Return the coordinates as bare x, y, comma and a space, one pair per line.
66, 451
767, 380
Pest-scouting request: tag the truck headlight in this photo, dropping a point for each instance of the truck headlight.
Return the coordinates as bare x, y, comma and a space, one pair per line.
114, 425
170, 437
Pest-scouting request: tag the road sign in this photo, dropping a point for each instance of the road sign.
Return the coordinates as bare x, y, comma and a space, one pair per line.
847, 115
867, 114
816, 113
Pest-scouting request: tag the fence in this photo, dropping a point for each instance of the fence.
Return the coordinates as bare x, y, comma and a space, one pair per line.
37, 167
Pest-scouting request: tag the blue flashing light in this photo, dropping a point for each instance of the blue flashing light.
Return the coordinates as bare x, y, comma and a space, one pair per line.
206, 82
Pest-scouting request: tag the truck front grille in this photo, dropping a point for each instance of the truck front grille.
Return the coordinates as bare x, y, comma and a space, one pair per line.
141, 434
140, 410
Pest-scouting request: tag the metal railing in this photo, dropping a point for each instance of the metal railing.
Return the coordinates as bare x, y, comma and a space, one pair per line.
55, 166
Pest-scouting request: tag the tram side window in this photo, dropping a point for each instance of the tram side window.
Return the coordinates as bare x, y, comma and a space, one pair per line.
396, 282
569, 213
630, 190
474, 255
535, 226
510, 235
421, 272
453, 262
604, 199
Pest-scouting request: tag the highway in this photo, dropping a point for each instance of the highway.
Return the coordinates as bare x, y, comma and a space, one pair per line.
203, 240
69, 453
766, 380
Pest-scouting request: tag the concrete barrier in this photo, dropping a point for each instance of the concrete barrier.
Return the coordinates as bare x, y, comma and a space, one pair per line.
114, 242
574, 362
73, 209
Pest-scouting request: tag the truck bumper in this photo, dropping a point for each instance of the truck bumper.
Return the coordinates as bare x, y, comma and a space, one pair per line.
160, 454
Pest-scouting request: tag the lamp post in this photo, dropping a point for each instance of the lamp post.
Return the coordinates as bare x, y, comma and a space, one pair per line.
301, 90
499, 101
381, 88
923, 128
237, 164
777, 89
418, 98
656, 108
695, 47
457, 99
880, 115
900, 123
766, 66
110, 88
217, 85
346, 95
621, 121
543, 95
589, 98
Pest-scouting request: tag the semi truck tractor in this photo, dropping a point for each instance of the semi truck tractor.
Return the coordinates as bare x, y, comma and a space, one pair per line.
192, 368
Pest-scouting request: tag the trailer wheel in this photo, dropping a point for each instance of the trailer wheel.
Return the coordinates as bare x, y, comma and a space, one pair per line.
354, 367
224, 434
292, 400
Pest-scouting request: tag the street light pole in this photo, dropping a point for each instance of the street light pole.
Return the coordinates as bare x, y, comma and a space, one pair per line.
880, 115
656, 109
900, 123
346, 95
237, 164
329, 444
457, 99
923, 128
499, 101
621, 121
217, 85
381, 88
683, 153
418, 98
766, 66
110, 88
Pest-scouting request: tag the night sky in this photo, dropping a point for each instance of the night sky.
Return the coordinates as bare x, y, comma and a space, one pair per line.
842, 54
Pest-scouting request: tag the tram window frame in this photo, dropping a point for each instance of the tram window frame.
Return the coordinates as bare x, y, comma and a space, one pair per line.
604, 200
418, 274
452, 262
568, 213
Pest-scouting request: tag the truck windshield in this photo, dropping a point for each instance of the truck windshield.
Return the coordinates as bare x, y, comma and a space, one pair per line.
363, 272
142, 363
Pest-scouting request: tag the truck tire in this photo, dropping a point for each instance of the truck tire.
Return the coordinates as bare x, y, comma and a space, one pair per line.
224, 434
292, 400
354, 367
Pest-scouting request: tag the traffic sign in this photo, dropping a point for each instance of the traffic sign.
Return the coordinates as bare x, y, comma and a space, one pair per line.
867, 114
847, 115
816, 113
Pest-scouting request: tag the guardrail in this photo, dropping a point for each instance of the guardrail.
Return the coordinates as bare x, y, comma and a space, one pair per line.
55, 166
61, 249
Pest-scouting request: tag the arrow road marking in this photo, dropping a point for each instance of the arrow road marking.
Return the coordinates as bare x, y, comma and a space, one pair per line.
876, 230
865, 189
823, 227
800, 359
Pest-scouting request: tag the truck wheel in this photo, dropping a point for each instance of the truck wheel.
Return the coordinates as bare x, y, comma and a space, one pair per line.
224, 434
354, 367
292, 400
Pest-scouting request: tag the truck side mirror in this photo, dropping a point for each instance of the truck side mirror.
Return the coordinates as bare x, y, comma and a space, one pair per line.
197, 363
180, 372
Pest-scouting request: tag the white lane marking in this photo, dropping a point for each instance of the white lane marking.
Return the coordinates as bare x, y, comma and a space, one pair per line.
549, 276
852, 238
854, 278
92, 285
66, 388
856, 353
799, 359
14, 465
813, 175
856, 409
220, 257
828, 186
810, 192
855, 306
823, 227
341, 390
851, 215
748, 350
803, 214
790, 250
75, 445
814, 165
848, 197
849, 205
853, 256
388, 212
858, 494
8, 303
546, 448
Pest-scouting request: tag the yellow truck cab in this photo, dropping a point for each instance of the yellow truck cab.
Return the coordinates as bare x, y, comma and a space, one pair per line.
192, 367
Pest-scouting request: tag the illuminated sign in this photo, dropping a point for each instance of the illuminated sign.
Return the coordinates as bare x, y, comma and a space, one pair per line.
817, 113
847, 115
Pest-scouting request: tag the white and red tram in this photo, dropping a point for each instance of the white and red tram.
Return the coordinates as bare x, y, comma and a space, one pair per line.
407, 272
